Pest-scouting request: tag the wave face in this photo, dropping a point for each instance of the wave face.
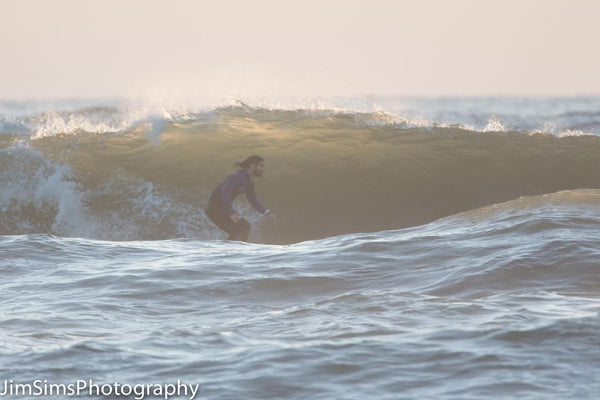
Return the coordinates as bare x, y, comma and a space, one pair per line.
499, 302
121, 174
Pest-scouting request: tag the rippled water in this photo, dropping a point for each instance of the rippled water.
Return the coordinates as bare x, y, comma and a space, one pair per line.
497, 302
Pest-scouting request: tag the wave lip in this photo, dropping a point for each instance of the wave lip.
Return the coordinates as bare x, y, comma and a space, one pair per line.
557, 116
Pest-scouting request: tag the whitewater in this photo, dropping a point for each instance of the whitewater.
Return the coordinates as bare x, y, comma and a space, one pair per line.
425, 248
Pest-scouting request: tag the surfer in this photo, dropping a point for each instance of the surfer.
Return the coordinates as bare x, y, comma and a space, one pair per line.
220, 209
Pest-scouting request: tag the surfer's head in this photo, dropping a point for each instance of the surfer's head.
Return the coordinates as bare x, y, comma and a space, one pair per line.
253, 164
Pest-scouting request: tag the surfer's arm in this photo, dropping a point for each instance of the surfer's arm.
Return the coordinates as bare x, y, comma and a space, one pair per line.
251, 195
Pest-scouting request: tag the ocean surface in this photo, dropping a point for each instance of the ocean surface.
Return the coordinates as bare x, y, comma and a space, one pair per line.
425, 248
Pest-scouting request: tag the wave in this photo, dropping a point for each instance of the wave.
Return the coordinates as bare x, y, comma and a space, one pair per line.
328, 172
536, 248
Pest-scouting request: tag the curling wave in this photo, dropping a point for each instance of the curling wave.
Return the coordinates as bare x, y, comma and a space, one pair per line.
327, 172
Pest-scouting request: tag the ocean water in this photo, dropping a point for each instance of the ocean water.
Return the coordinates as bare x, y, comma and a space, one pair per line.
425, 248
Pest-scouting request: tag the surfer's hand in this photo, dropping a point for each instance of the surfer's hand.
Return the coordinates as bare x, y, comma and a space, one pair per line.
235, 217
272, 217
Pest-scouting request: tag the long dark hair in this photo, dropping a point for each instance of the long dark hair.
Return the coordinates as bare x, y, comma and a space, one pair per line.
249, 161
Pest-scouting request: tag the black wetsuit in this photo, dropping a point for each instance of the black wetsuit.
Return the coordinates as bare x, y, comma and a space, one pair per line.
220, 206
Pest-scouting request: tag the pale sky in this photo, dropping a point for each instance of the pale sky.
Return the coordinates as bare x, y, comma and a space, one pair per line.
85, 48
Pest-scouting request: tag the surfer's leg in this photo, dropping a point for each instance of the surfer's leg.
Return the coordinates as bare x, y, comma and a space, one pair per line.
241, 230
222, 220
236, 230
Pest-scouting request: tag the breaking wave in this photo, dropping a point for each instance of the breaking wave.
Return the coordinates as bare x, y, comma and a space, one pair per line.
110, 173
